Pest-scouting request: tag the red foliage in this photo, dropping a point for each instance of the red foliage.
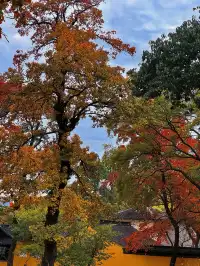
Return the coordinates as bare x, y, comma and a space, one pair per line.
112, 177
175, 153
148, 234
7, 89
88, 2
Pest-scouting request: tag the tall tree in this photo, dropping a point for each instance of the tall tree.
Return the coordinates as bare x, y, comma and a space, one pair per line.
74, 81
171, 67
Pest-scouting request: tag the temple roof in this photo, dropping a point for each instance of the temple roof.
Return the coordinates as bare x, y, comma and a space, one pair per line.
135, 215
123, 230
5, 235
6, 229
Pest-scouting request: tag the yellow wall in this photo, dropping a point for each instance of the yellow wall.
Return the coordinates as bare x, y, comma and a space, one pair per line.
21, 261
120, 259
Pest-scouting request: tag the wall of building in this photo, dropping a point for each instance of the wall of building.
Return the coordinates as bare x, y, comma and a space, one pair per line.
120, 259
22, 261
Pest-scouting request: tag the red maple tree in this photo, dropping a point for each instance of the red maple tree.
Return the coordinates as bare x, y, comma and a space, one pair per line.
162, 162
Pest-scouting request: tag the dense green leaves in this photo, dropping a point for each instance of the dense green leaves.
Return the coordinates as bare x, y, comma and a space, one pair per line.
172, 66
88, 245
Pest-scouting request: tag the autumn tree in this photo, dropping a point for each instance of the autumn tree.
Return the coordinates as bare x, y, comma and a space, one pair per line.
79, 204
19, 137
144, 183
74, 80
175, 127
20, 165
75, 232
159, 166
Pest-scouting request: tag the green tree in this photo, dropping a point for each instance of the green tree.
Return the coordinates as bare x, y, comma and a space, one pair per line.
78, 242
89, 246
172, 66
107, 188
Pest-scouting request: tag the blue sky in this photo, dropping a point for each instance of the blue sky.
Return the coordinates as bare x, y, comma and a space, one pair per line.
136, 22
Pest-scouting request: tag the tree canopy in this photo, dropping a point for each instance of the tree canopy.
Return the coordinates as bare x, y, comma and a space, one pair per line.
59, 189
39, 153
158, 166
171, 66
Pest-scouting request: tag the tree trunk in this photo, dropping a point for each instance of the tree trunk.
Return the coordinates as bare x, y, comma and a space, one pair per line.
173, 222
50, 246
11, 253
175, 247
50, 253
173, 260
197, 240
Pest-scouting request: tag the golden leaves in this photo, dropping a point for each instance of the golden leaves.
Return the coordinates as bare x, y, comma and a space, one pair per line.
72, 206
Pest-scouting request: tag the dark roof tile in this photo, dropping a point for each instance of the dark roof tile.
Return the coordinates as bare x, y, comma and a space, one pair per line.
123, 231
133, 215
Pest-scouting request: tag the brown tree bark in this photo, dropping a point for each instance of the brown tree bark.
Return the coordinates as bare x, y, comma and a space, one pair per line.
175, 247
173, 222
50, 246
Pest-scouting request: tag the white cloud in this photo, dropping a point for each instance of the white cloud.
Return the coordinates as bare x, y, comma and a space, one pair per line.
170, 27
132, 2
22, 41
17, 37
174, 3
149, 26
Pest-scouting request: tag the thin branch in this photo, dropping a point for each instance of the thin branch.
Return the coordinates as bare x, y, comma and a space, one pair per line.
169, 239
